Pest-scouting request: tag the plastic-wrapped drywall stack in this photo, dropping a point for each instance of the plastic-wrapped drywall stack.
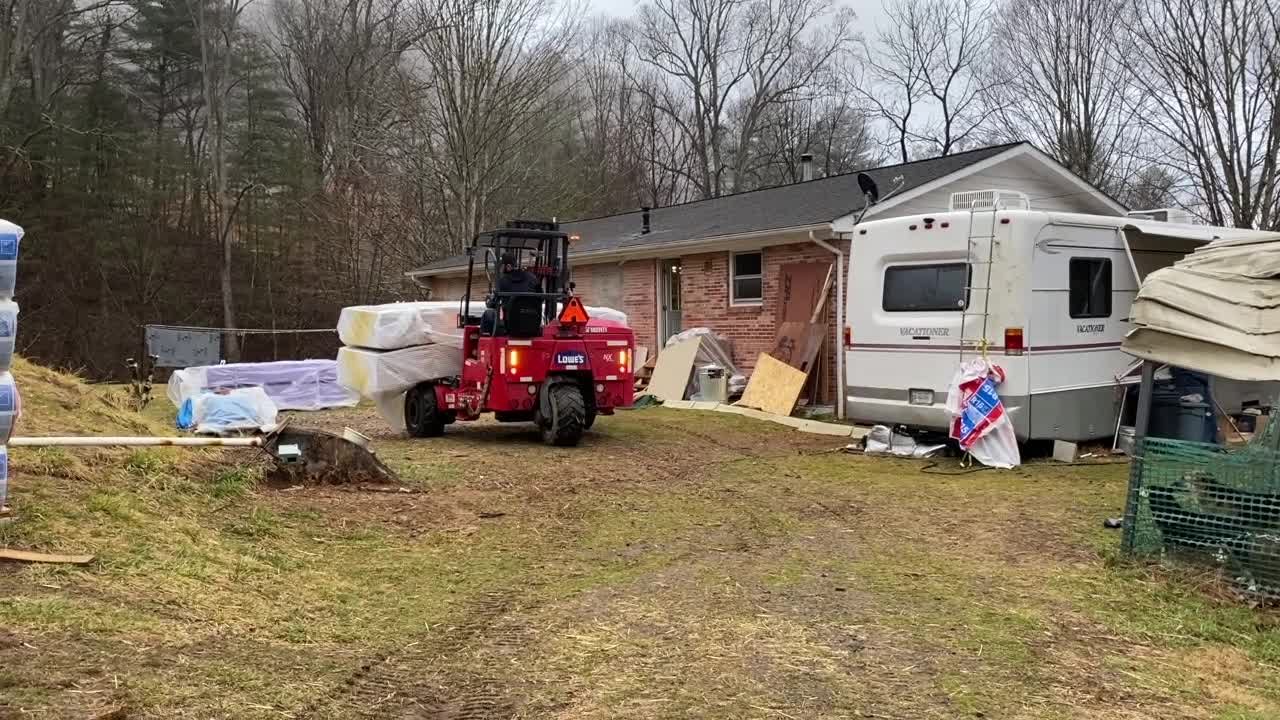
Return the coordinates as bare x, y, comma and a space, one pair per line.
390, 348
10, 236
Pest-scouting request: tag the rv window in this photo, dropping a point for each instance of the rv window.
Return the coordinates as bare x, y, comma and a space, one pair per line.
1090, 295
913, 288
746, 278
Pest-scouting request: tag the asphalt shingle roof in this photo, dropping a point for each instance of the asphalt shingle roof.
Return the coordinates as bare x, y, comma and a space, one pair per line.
785, 206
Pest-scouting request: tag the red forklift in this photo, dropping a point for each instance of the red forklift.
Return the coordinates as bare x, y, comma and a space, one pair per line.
532, 355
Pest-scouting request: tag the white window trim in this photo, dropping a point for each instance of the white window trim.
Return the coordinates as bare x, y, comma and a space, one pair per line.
750, 302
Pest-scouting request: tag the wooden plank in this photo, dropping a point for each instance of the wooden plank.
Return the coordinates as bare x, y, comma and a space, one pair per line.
774, 386
821, 304
36, 557
673, 369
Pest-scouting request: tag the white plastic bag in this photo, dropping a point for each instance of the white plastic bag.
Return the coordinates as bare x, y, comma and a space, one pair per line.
980, 422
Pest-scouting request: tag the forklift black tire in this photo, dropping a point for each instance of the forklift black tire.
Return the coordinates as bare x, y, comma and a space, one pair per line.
568, 415
590, 419
422, 416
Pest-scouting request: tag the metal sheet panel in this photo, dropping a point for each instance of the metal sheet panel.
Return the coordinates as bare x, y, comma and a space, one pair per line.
184, 348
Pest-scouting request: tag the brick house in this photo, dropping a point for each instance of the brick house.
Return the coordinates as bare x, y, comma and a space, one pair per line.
714, 263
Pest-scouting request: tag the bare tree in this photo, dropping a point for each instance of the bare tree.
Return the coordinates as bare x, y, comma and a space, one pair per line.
1209, 71
730, 60
217, 29
1063, 71
926, 76
833, 131
497, 74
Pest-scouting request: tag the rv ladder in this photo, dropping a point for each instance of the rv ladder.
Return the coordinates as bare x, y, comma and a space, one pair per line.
974, 257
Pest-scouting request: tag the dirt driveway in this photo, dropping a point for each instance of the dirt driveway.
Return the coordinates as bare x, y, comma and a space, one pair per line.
678, 564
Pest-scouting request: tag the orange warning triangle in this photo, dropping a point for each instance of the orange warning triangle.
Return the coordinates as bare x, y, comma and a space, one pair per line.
573, 312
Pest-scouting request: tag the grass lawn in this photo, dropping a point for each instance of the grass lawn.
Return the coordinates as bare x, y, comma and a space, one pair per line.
678, 564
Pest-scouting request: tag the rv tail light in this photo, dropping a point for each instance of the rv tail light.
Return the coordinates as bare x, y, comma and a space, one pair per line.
1013, 341
848, 336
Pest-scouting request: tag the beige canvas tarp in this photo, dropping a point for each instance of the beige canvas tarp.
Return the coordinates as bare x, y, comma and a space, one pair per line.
1217, 310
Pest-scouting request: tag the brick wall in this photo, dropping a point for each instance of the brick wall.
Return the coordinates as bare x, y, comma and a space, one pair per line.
705, 285
639, 301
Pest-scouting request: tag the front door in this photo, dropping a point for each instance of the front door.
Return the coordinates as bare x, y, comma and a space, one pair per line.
668, 300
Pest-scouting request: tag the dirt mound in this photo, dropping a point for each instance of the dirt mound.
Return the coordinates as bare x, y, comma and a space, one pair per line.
58, 403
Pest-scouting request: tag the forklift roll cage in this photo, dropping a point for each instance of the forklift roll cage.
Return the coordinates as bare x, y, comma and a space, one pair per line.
541, 240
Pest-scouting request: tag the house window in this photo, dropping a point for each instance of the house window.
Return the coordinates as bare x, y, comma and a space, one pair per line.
1090, 294
746, 278
916, 288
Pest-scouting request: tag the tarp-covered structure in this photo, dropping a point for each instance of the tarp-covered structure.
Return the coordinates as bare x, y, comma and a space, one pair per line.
1217, 310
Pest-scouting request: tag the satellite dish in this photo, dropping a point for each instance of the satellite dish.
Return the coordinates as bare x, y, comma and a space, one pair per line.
868, 187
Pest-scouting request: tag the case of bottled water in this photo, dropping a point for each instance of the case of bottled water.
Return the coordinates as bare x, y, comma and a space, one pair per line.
8, 332
8, 407
10, 236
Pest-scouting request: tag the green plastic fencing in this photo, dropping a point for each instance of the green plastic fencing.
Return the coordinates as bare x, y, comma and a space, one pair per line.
1197, 502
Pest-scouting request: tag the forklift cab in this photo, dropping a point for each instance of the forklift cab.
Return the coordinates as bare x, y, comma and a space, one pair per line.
526, 271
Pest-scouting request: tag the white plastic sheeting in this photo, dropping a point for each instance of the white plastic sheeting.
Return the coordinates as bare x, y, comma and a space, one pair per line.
291, 384
884, 441
400, 325
981, 424
239, 410
715, 349
378, 372
1217, 310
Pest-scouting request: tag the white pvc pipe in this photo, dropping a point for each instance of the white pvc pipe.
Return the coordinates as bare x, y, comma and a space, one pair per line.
155, 441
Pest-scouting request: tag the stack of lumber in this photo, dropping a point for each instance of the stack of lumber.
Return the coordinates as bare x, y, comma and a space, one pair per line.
644, 365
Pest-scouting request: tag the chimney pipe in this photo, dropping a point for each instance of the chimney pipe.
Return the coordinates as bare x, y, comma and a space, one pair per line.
644, 220
806, 167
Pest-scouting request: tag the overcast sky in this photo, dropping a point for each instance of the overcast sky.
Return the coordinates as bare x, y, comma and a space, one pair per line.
869, 11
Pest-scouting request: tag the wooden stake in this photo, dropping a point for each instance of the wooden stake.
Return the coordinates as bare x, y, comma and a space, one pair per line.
36, 557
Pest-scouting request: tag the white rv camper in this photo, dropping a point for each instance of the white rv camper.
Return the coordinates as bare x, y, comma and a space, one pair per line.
1045, 295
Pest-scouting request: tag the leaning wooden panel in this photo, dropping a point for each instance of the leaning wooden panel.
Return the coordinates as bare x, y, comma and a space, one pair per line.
675, 366
774, 386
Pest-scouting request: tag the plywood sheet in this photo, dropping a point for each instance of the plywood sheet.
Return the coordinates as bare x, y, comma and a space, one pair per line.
774, 386
801, 289
798, 344
673, 369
